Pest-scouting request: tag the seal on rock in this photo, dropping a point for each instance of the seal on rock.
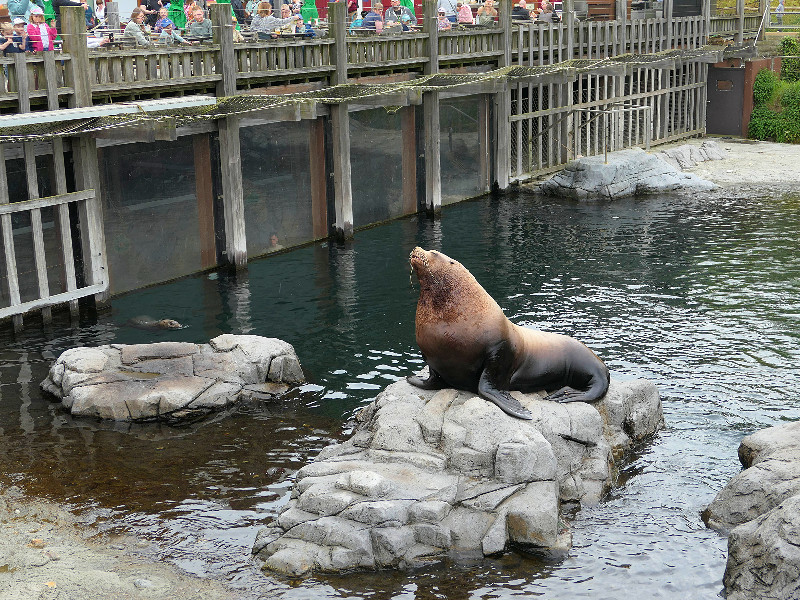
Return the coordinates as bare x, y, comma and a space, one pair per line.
150, 324
469, 344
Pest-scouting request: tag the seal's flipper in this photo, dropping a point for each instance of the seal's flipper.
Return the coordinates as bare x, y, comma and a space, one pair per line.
505, 401
432, 382
568, 394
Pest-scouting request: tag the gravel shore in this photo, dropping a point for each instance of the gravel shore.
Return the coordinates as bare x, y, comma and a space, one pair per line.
46, 553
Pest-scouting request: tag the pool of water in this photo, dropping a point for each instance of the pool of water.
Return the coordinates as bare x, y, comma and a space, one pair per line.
700, 295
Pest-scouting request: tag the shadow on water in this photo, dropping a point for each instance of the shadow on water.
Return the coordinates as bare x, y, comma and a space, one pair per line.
700, 296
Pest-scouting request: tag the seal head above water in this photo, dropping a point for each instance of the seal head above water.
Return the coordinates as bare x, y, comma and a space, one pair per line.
469, 344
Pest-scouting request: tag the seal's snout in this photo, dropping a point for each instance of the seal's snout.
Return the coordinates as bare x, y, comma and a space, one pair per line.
417, 257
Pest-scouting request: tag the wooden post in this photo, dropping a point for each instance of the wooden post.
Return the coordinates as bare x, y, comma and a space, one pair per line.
430, 112
502, 141
65, 232
668, 40
622, 17
504, 16
230, 154
7, 233
485, 142
204, 191
337, 22
78, 73
431, 29
87, 176
342, 175
319, 188
739, 37
222, 22
112, 15
409, 136
568, 12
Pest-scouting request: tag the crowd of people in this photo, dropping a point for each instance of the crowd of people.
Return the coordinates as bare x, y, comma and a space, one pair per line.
35, 24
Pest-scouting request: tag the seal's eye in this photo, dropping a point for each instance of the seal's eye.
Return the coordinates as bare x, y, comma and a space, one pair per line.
452, 262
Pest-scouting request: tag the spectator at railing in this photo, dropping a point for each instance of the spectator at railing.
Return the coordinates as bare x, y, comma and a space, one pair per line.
443, 23
15, 37
296, 20
237, 8
250, 10
779, 14
166, 28
374, 18
266, 24
22, 8
487, 14
548, 15
134, 30
179, 12
199, 27
358, 22
151, 9
352, 10
397, 13
465, 13
100, 11
40, 35
520, 12
449, 7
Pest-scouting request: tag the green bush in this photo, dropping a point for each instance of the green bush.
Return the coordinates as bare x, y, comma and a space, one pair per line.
790, 67
764, 124
764, 87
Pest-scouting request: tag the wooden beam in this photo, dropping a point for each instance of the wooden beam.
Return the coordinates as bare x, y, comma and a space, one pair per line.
204, 192
342, 174
232, 193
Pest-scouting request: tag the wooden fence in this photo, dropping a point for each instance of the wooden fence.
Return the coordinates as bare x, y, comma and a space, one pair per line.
58, 79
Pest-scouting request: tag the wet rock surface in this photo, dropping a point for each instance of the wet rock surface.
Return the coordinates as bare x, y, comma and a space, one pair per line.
430, 473
631, 172
760, 507
171, 381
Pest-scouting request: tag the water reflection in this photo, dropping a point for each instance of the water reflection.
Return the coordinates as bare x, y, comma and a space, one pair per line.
701, 296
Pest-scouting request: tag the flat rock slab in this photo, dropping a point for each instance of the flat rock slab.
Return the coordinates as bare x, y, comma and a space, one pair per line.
627, 173
429, 473
171, 381
760, 507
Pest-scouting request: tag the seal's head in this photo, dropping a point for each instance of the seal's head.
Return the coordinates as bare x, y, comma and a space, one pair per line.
432, 267
169, 324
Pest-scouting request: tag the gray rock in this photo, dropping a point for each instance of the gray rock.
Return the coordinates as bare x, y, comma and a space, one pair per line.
170, 381
627, 173
760, 507
427, 473
764, 556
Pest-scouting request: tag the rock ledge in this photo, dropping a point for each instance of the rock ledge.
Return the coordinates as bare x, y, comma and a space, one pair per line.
427, 474
171, 381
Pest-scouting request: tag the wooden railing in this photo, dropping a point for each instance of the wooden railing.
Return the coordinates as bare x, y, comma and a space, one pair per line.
43, 296
130, 73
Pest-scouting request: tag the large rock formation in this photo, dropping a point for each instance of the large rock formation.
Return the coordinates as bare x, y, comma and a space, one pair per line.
631, 172
429, 473
171, 381
761, 508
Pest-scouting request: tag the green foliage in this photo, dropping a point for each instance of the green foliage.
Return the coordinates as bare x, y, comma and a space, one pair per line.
779, 117
790, 67
764, 87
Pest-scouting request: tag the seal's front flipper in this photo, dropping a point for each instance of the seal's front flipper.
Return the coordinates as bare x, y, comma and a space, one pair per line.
505, 401
433, 382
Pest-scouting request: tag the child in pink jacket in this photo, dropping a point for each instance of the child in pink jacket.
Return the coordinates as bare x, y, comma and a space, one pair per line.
40, 35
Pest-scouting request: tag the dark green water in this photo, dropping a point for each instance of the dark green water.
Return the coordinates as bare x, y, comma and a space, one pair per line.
699, 295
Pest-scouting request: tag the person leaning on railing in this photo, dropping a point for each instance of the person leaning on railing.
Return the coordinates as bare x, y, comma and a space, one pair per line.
548, 15
265, 23
487, 13
40, 35
199, 27
397, 13
134, 30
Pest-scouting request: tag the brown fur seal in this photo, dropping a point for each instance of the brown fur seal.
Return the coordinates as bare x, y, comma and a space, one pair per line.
469, 344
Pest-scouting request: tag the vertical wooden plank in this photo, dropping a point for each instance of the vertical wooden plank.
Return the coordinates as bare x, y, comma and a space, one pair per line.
7, 233
65, 233
409, 158
319, 193
40, 260
232, 193
51, 79
342, 181
73, 30
21, 75
204, 191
